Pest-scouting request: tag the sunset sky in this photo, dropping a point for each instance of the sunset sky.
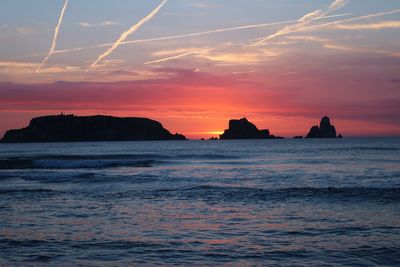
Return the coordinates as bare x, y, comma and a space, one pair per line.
195, 64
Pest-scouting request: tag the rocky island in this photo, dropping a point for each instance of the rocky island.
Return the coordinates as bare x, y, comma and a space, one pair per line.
71, 128
243, 129
324, 130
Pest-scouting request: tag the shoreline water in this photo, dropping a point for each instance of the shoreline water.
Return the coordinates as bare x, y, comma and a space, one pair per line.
248, 202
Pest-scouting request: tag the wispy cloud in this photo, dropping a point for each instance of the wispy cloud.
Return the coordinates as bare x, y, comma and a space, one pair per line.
181, 36
56, 31
336, 23
360, 50
125, 34
102, 24
392, 24
302, 22
326, 43
25, 72
209, 96
241, 57
225, 54
176, 51
25, 30
29, 67
204, 5
172, 57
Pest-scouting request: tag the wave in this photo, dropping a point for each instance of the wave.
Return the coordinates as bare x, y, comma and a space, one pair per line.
245, 194
14, 164
26, 191
362, 148
83, 164
207, 156
51, 177
376, 148
103, 244
58, 252
221, 194
101, 161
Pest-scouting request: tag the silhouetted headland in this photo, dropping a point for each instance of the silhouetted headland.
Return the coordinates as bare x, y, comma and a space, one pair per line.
324, 130
243, 129
71, 128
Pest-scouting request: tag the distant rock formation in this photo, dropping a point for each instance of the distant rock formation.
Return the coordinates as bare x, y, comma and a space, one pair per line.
325, 130
243, 129
70, 128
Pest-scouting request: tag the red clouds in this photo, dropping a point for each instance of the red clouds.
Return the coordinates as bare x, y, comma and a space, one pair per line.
199, 104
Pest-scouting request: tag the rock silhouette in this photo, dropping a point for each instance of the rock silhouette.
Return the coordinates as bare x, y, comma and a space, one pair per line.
71, 128
324, 130
243, 129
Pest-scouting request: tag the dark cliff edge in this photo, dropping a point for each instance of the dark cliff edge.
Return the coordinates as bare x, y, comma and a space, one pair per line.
324, 130
243, 129
71, 128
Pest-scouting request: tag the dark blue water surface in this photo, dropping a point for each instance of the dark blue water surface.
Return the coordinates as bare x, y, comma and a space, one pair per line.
233, 203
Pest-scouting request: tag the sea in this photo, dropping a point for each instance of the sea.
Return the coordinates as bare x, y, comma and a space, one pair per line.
293, 202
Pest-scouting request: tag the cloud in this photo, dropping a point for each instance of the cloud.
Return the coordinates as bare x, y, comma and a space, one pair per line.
225, 54
171, 57
182, 14
172, 54
204, 5
175, 51
191, 100
237, 57
102, 24
179, 36
106, 63
369, 26
395, 80
123, 73
326, 43
25, 30
125, 34
56, 31
333, 24
187, 89
25, 72
29, 67
302, 22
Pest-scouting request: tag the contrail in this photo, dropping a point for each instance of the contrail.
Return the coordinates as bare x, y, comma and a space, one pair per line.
56, 31
371, 26
180, 36
334, 24
306, 19
329, 24
339, 22
177, 56
171, 58
125, 34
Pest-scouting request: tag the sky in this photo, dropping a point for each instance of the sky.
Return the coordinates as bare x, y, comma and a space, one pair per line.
195, 64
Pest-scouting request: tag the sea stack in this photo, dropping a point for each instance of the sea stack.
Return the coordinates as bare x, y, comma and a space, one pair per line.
243, 129
71, 128
324, 130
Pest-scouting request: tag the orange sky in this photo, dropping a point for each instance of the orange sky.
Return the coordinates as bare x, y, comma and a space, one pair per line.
199, 104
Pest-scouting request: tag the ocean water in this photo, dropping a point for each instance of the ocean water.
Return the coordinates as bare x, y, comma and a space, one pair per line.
202, 203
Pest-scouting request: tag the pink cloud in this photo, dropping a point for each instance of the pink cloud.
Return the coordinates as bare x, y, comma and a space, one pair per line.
198, 102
